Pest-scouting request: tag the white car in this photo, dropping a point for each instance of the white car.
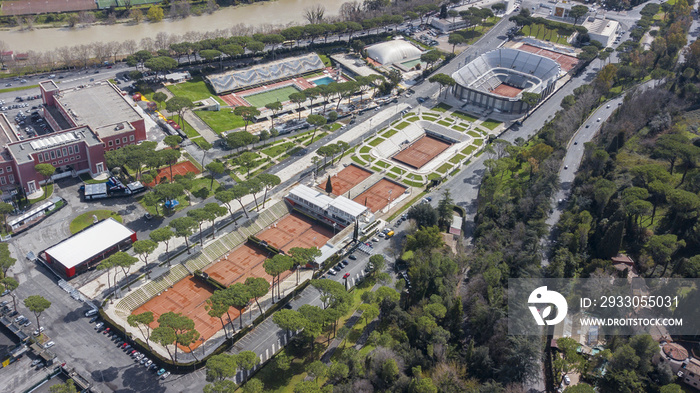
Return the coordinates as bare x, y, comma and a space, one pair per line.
49, 344
567, 380
38, 331
165, 375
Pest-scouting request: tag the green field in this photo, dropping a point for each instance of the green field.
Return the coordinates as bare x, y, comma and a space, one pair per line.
491, 124
188, 129
259, 100
441, 107
220, 121
86, 219
543, 33
464, 116
195, 89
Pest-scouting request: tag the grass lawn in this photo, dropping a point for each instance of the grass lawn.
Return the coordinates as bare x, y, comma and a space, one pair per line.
491, 124
458, 128
261, 99
402, 126
469, 150
397, 170
376, 141
542, 33
429, 118
184, 202
464, 116
198, 140
18, 88
474, 134
383, 164
221, 121
189, 130
389, 133
89, 180
365, 149
377, 169
444, 123
444, 167
391, 175
441, 107
86, 219
456, 159
413, 118
357, 160
478, 142
334, 127
203, 182
48, 190
195, 89
278, 149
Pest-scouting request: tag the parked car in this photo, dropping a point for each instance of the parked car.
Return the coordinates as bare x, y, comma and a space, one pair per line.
345, 262
95, 318
35, 362
161, 372
148, 363
167, 373
19, 318
352, 256
99, 325
346, 275
106, 331
38, 331
49, 344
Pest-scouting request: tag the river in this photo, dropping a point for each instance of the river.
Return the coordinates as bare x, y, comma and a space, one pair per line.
279, 12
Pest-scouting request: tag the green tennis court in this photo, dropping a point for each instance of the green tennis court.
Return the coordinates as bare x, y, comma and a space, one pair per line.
102, 4
259, 100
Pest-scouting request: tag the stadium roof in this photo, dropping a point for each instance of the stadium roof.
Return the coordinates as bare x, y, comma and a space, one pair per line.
312, 196
348, 206
92, 241
265, 73
513, 67
395, 51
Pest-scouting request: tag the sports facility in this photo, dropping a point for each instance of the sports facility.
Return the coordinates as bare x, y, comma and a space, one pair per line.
296, 230
26, 7
188, 296
421, 151
239, 264
181, 168
346, 179
381, 194
259, 100
497, 79
567, 62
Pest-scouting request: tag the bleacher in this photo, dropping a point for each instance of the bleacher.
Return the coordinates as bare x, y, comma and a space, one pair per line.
211, 252
489, 70
265, 73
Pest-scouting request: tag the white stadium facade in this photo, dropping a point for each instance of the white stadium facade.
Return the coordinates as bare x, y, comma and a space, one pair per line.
497, 79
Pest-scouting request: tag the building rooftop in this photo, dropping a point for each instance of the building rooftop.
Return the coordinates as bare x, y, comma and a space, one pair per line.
394, 51
22, 150
7, 131
348, 206
693, 366
101, 106
604, 27
675, 351
90, 242
49, 85
317, 198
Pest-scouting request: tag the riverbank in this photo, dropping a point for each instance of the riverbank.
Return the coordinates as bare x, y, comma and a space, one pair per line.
258, 16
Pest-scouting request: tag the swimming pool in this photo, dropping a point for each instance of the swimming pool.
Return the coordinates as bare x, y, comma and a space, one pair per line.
323, 81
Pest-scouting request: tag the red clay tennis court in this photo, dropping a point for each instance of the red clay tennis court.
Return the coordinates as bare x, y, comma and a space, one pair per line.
421, 151
346, 179
378, 196
243, 262
188, 296
181, 168
506, 91
296, 230
565, 61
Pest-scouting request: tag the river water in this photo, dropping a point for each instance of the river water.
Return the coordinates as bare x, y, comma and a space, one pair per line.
279, 12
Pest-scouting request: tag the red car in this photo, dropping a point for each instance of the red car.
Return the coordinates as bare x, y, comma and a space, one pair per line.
346, 275
105, 331
124, 345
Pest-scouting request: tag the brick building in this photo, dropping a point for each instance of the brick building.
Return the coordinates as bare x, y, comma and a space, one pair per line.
85, 121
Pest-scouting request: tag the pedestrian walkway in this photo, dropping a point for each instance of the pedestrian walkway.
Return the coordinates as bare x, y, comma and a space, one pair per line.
200, 126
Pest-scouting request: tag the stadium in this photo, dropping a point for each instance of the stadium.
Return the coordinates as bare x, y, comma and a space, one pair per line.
271, 82
497, 79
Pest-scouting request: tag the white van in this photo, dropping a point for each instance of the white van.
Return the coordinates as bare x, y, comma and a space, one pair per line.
90, 313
